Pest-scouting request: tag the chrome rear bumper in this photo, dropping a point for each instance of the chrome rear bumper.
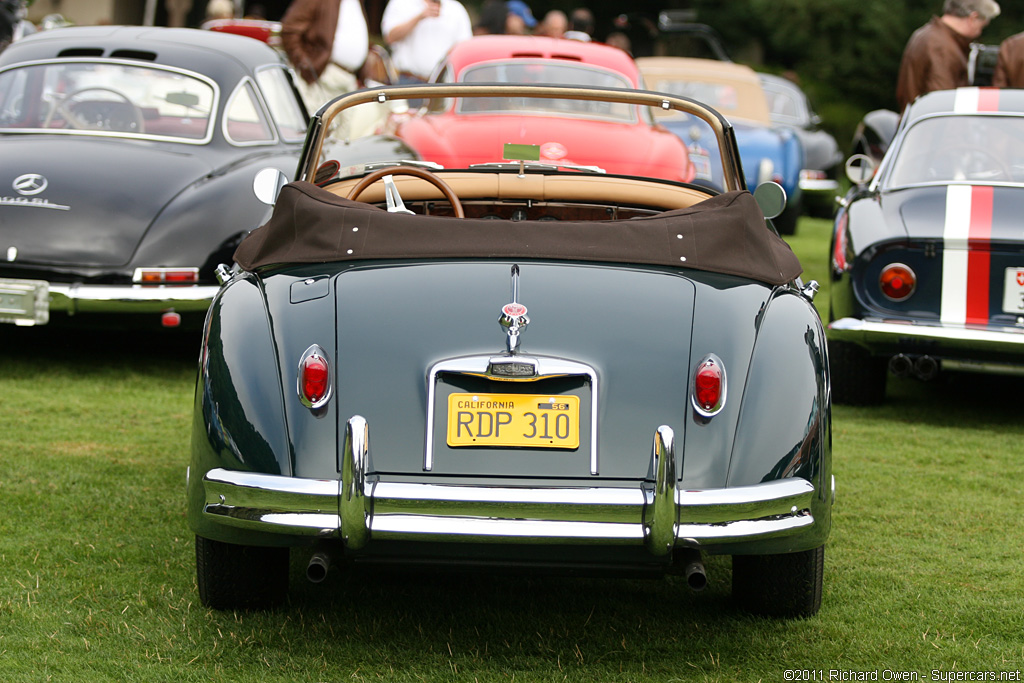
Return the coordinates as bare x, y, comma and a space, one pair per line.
890, 334
659, 515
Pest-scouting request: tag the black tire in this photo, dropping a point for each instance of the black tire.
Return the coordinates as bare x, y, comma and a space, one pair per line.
786, 586
858, 378
240, 576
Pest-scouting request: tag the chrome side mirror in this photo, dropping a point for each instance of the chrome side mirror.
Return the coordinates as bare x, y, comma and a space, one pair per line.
267, 185
860, 169
771, 197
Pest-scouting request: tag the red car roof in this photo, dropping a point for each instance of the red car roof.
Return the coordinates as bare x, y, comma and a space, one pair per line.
496, 47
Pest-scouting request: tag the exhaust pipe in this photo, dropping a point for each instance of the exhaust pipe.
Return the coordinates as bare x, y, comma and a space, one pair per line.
900, 365
693, 570
316, 570
926, 368
696, 579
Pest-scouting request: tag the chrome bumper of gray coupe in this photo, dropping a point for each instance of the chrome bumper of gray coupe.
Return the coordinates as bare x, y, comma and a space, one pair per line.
943, 336
77, 298
659, 515
30, 302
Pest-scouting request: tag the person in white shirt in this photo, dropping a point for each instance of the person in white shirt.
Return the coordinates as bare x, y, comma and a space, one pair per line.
419, 34
327, 43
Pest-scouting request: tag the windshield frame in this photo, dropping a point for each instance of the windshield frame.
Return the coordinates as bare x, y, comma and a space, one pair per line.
322, 119
884, 177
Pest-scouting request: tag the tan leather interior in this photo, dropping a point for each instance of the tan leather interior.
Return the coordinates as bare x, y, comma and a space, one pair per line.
470, 186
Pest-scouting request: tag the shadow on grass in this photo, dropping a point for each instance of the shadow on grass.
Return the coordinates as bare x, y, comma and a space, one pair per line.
953, 398
82, 349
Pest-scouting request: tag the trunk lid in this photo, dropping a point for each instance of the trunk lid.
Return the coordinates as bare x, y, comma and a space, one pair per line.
611, 320
98, 201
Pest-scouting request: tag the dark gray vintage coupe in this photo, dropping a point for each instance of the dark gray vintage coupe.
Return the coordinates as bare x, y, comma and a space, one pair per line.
927, 253
515, 364
128, 160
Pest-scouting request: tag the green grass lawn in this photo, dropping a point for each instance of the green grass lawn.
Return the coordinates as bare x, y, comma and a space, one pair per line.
923, 571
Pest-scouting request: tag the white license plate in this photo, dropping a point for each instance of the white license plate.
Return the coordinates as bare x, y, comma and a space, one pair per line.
24, 302
1013, 291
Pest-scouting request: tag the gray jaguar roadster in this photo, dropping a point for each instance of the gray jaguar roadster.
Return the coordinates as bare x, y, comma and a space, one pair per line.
512, 364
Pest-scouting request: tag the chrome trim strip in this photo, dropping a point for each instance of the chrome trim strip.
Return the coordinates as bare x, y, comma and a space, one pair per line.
276, 503
79, 298
709, 534
810, 185
774, 498
868, 331
524, 530
547, 368
632, 497
983, 368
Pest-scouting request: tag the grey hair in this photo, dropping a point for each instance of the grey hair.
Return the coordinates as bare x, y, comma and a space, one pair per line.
986, 9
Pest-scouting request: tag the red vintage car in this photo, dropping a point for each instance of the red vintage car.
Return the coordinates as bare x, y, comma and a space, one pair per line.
606, 137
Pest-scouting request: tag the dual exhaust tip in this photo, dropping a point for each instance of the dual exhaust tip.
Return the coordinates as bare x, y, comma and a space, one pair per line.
921, 367
693, 569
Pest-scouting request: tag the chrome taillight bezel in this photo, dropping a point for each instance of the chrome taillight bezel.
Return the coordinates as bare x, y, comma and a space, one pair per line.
314, 351
713, 362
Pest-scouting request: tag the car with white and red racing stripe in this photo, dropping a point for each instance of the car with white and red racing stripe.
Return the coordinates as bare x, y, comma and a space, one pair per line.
927, 251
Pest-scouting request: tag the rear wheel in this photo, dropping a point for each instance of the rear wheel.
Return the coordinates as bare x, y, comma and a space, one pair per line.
233, 576
786, 585
858, 378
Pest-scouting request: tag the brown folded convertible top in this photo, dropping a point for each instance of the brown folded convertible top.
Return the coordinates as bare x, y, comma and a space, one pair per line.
723, 234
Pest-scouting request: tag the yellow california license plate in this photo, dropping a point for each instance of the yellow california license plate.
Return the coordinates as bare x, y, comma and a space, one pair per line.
530, 420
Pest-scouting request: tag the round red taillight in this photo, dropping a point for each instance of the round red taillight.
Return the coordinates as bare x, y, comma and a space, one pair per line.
709, 386
314, 380
897, 282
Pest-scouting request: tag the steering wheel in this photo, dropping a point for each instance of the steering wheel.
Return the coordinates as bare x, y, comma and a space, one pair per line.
421, 173
978, 163
102, 115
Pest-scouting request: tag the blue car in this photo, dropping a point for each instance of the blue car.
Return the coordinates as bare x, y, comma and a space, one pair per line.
769, 152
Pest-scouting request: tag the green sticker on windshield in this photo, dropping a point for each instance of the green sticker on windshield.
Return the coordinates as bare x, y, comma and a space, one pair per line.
515, 152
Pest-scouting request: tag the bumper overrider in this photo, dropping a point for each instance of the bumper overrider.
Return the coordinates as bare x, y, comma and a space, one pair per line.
30, 302
963, 347
788, 513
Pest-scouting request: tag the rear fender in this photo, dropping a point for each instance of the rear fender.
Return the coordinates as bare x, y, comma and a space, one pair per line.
238, 420
784, 429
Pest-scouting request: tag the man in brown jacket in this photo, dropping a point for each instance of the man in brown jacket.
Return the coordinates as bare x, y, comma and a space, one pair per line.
1009, 71
935, 57
326, 42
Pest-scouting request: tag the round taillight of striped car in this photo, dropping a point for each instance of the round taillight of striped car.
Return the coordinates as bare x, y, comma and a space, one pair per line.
897, 282
314, 377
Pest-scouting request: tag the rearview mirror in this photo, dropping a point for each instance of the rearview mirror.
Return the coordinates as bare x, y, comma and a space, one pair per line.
860, 169
184, 99
267, 185
771, 197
